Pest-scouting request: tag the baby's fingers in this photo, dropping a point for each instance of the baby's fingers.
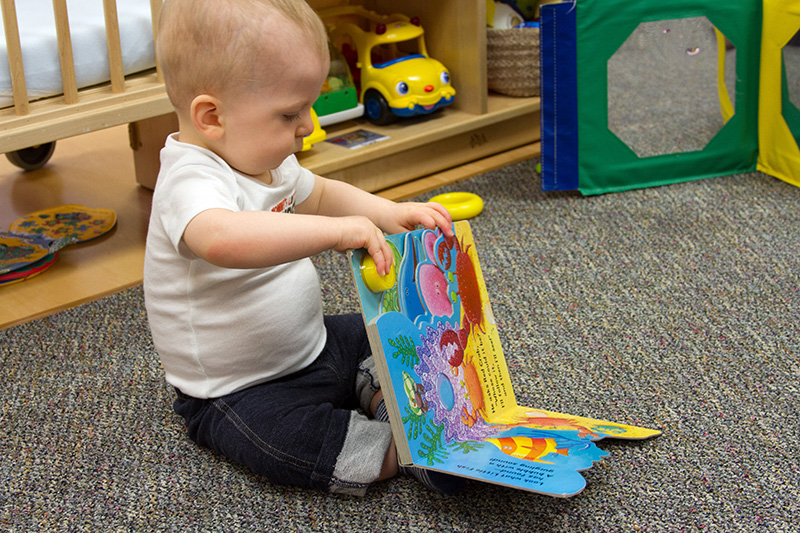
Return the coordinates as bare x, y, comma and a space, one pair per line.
381, 253
442, 218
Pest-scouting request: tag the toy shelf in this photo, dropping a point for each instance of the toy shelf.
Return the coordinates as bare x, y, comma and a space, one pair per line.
477, 125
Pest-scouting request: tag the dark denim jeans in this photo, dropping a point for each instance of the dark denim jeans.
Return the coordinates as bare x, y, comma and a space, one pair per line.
290, 430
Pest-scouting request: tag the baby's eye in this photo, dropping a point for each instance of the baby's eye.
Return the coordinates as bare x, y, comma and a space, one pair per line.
292, 117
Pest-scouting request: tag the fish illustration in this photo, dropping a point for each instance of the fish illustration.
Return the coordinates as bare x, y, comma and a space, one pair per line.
528, 448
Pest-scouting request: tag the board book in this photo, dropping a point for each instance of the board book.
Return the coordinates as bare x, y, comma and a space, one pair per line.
445, 380
637, 93
32, 243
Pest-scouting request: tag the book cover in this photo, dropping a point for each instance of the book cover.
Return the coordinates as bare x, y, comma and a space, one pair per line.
445, 379
357, 139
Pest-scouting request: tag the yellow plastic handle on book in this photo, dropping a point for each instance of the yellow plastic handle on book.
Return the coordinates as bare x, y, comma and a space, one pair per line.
374, 281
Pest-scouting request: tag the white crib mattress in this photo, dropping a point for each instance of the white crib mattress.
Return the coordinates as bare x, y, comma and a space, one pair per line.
37, 30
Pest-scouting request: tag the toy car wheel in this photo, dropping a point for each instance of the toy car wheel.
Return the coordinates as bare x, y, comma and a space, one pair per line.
33, 157
377, 109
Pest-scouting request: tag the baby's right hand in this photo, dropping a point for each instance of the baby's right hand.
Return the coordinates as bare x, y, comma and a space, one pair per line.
359, 232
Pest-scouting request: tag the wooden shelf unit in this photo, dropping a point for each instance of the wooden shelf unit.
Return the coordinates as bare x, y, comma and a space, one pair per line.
477, 125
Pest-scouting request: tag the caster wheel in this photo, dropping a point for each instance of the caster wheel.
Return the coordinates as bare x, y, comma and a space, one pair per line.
33, 157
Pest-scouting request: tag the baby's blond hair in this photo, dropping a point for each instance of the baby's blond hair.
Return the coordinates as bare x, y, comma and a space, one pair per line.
206, 46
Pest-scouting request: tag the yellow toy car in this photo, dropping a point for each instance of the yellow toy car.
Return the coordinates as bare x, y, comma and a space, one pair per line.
389, 62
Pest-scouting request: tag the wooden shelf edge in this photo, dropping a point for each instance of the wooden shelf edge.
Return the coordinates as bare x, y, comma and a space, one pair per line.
440, 179
45, 312
328, 159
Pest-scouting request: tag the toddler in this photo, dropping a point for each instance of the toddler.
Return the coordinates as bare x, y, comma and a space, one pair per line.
232, 298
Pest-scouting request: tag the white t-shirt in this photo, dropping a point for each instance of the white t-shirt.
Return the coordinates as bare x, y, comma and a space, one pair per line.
219, 330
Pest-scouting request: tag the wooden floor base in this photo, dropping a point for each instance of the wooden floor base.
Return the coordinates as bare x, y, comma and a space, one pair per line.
96, 170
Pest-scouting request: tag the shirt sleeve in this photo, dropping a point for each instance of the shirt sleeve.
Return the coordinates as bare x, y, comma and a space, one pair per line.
192, 190
291, 170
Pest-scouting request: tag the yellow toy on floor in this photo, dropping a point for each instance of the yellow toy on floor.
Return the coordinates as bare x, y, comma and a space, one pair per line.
461, 205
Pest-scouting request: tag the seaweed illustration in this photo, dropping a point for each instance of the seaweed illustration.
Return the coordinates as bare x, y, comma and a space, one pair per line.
467, 446
433, 448
414, 422
405, 346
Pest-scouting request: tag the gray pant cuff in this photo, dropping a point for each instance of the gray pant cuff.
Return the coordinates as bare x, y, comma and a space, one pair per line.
361, 458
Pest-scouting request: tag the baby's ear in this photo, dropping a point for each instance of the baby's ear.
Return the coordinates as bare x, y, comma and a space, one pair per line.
206, 116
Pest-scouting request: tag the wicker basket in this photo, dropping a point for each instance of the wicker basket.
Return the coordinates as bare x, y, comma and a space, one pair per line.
512, 61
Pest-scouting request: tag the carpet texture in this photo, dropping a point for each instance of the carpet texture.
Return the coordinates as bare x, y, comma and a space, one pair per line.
675, 308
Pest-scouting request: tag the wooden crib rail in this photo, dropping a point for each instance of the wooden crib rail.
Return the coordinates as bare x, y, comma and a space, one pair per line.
68, 80
123, 100
155, 15
114, 47
15, 56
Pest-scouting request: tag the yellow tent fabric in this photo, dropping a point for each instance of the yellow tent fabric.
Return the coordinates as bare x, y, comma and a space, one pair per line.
779, 154
724, 98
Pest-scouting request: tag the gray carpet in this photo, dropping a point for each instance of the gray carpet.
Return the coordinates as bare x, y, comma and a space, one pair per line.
675, 308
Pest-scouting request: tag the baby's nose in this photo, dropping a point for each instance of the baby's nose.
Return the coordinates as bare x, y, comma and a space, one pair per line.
306, 126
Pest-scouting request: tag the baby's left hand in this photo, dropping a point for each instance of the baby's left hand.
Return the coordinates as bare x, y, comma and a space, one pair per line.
405, 216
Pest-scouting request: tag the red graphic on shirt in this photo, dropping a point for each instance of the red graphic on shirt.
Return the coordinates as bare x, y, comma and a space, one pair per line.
285, 206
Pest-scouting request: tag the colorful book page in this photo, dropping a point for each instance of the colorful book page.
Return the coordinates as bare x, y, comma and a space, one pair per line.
448, 390
28, 271
19, 250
